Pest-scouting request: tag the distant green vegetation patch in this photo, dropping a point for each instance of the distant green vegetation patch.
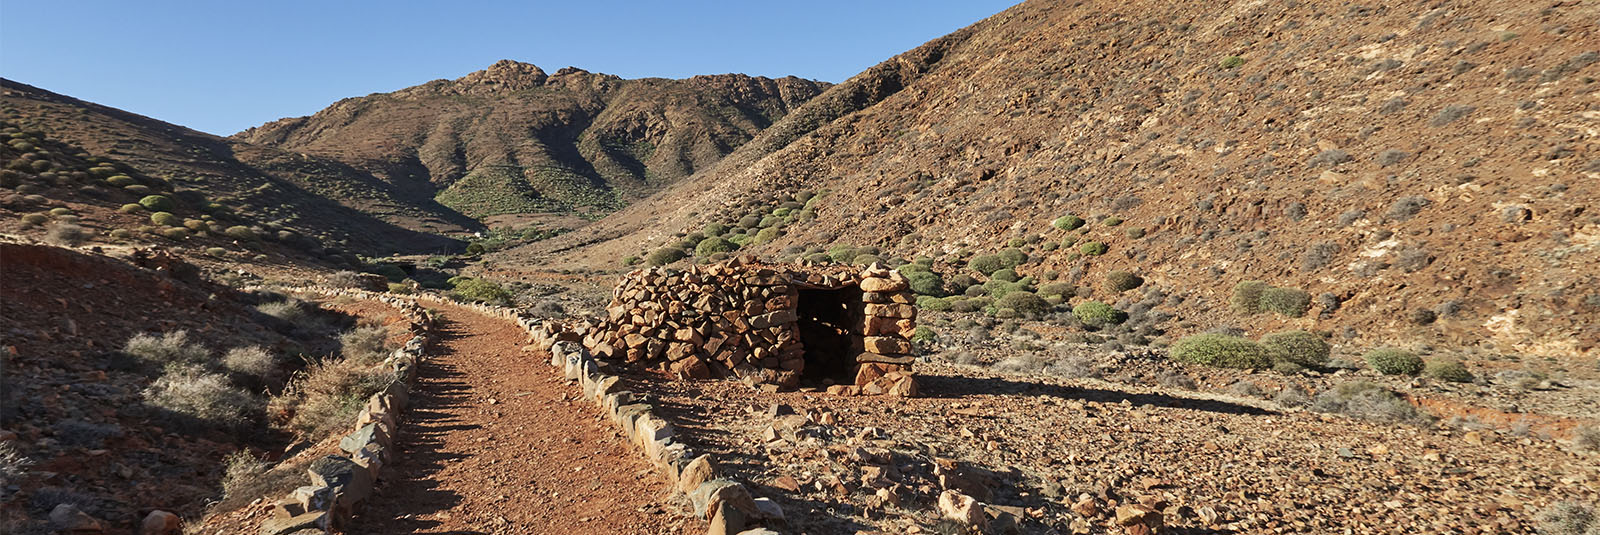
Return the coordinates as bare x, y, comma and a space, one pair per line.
489, 191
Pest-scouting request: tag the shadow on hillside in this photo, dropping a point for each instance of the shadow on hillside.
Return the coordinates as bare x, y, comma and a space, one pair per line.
408, 492
939, 386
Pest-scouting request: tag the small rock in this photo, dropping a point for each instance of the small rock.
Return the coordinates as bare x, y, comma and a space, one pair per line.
961, 508
68, 519
1138, 513
159, 523
779, 409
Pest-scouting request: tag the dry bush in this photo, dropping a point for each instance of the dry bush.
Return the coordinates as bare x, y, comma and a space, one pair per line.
207, 397
324, 398
365, 345
171, 348
1075, 367
1367, 400
288, 310
65, 234
253, 362
1568, 518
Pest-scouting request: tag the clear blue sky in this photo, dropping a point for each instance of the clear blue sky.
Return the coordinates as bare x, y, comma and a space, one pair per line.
224, 65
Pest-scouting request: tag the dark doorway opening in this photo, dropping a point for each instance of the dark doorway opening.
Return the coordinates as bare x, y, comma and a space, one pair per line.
830, 319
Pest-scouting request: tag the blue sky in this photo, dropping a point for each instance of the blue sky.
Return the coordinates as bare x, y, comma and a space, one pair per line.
222, 66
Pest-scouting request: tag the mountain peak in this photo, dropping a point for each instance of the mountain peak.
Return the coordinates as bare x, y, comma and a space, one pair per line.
508, 75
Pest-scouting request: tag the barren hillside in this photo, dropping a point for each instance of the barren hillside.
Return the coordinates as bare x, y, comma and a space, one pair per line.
512, 139
1426, 171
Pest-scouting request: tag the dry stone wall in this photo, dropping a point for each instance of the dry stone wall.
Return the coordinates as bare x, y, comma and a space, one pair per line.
765, 324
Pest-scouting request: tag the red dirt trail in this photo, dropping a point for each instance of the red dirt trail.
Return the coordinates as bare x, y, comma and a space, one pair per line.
493, 441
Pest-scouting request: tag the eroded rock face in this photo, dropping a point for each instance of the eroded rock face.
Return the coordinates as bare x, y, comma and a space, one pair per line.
763, 323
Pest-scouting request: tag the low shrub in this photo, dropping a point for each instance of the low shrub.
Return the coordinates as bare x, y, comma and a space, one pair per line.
1246, 296
365, 345
166, 219
1230, 62
251, 361
206, 397
1569, 518
157, 203
1111, 221
482, 291
1067, 222
665, 255
1007, 275
1063, 289
1097, 314
1013, 257
924, 282
1118, 281
986, 264
1393, 361
1292, 397
65, 234
1449, 370
1298, 347
173, 348
1093, 248
714, 245
1220, 350
325, 396
241, 233
131, 208
1368, 400
288, 310
1024, 302
937, 304
1291, 302
29, 220
924, 335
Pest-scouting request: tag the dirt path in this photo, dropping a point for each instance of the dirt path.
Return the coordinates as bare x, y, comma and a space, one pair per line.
493, 442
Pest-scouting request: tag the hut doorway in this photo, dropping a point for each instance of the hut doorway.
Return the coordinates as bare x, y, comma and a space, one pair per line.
830, 328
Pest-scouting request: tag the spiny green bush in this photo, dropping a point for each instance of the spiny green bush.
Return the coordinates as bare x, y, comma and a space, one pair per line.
157, 203
482, 291
121, 181
1220, 350
131, 208
1118, 281
166, 219
1291, 302
986, 264
1246, 297
714, 229
175, 233
1024, 302
665, 255
1093, 248
924, 335
1450, 370
997, 288
767, 234
1097, 314
924, 282
843, 254
1013, 257
1298, 347
34, 219
1007, 274
1230, 62
1068, 222
937, 304
1394, 361
1063, 289
241, 233
167, 349
1111, 221
714, 245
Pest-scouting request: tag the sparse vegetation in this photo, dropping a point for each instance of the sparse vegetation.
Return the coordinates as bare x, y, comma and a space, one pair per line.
1093, 248
1230, 62
206, 397
1291, 302
1449, 370
1097, 314
986, 264
365, 345
482, 291
1568, 518
1363, 399
324, 397
254, 362
1220, 350
65, 234
1393, 361
1118, 281
1246, 297
666, 255
173, 348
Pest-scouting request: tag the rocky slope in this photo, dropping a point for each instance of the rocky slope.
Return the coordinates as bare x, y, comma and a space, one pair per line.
512, 139
1426, 171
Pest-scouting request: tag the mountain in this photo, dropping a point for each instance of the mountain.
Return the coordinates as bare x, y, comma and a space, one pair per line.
323, 199
1426, 173
511, 139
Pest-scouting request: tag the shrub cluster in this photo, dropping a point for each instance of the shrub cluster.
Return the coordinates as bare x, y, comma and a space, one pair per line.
1097, 314
1393, 361
1118, 281
1450, 370
1253, 296
1298, 347
1220, 350
1367, 400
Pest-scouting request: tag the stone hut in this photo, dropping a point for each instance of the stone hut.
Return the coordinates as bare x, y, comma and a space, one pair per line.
775, 324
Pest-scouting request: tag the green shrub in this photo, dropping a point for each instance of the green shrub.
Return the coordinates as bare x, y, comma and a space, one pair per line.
711, 246
1064, 289
241, 233
631, 261
1134, 232
843, 254
131, 208
924, 335
399, 288
766, 235
1097, 314
1118, 281
216, 251
252, 361
1007, 274
665, 255
1093, 248
741, 239
157, 203
1297, 347
866, 259
166, 219
937, 304
482, 291
1393, 361
167, 349
175, 233
1450, 370
770, 221
998, 288
1111, 221
1013, 257
1230, 62
121, 234
986, 264
121, 181
1221, 351
1291, 302
1024, 302
60, 211
34, 219
924, 282
1068, 222
1246, 297
714, 229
